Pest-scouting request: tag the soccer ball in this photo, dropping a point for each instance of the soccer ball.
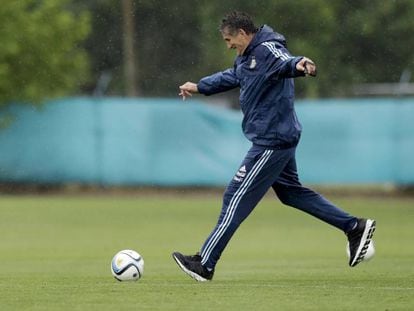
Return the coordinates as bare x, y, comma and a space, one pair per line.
127, 265
370, 251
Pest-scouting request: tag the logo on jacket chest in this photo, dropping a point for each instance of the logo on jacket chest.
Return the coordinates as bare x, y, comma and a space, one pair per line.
246, 67
252, 63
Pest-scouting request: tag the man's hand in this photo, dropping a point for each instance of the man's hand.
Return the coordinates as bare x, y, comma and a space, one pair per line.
188, 89
307, 66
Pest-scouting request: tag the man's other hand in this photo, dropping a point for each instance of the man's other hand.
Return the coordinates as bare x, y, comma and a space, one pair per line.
307, 66
187, 89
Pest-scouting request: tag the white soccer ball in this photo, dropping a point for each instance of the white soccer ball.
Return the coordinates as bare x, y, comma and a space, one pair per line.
370, 251
127, 265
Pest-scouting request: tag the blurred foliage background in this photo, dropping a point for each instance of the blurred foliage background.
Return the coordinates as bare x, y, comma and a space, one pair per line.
40, 53
52, 48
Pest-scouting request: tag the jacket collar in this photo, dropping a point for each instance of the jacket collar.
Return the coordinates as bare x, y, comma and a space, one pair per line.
264, 34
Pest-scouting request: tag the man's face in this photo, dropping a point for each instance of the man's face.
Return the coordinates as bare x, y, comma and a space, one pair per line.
236, 41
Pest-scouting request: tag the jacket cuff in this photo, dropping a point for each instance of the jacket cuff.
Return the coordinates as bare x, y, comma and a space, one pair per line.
202, 88
297, 73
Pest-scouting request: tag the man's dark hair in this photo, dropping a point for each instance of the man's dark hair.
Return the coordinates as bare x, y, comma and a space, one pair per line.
236, 20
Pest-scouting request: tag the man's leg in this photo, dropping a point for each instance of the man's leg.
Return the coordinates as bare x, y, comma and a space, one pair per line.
257, 173
291, 192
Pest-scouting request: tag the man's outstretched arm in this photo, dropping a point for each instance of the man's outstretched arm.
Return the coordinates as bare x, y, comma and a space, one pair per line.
216, 83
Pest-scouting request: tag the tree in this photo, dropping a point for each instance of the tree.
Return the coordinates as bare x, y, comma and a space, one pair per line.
352, 41
373, 41
39, 55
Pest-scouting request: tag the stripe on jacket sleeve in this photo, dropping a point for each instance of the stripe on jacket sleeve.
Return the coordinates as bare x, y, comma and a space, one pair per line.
276, 52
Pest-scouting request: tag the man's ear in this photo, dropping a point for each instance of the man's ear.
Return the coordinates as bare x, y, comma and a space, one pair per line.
242, 32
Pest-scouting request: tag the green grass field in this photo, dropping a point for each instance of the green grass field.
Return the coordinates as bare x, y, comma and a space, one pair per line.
55, 254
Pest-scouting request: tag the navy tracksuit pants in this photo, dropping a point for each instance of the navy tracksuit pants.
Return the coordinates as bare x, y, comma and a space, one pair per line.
261, 169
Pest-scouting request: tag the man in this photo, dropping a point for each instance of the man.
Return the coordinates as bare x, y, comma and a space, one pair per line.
264, 71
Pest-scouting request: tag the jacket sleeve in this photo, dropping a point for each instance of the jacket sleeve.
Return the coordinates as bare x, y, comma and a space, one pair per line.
218, 82
278, 63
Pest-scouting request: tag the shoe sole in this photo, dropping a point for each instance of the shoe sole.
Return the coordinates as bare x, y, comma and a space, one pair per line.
194, 275
365, 240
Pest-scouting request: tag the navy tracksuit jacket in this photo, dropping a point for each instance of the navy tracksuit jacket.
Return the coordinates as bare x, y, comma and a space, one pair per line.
264, 74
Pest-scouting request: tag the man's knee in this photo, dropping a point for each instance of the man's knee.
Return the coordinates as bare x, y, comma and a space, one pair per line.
291, 195
283, 195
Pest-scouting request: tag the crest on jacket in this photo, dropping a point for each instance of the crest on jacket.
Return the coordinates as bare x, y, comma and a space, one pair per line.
253, 63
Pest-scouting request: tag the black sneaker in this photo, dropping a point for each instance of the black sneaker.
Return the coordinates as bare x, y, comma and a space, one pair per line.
193, 267
196, 257
359, 239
